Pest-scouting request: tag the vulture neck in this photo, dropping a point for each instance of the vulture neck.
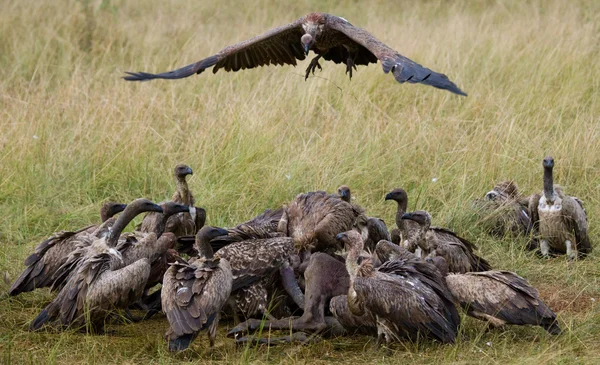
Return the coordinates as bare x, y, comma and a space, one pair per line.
204, 248
549, 192
184, 190
402, 206
352, 260
122, 221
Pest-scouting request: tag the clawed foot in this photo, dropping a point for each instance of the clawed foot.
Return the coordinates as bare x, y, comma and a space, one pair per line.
250, 325
314, 64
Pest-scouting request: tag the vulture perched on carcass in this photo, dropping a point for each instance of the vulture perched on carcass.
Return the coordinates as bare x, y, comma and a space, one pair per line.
331, 37
437, 241
314, 219
407, 298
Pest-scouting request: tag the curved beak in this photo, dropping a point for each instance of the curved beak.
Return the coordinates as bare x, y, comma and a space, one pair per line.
155, 208
118, 208
178, 208
221, 231
388, 196
189, 171
407, 216
306, 49
344, 194
340, 236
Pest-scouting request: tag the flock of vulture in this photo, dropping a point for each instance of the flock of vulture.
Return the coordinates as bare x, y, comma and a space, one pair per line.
319, 255
317, 265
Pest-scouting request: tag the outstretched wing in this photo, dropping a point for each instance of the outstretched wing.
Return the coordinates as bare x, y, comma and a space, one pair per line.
278, 46
403, 69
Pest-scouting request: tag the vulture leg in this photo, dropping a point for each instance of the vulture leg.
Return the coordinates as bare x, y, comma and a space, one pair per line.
350, 64
314, 63
545, 249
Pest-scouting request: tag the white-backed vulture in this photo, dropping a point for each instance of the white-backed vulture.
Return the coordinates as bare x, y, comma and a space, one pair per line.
41, 266
330, 37
437, 241
183, 223
406, 297
193, 293
256, 263
559, 219
101, 281
504, 211
81, 250
498, 297
407, 230
314, 219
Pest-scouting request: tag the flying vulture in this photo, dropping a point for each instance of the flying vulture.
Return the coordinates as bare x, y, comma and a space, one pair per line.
331, 37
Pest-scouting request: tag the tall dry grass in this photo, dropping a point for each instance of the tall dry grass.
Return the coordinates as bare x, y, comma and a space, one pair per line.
73, 134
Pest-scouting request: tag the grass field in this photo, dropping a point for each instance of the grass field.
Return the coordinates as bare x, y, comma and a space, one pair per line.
73, 134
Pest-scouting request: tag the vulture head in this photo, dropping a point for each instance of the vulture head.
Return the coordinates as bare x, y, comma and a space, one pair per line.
172, 208
207, 233
344, 193
352, 240
142, 205
182, 170
399, 196
203, 237
502, 191
361, 224
109, 209
313, 26
420, 216
548, 163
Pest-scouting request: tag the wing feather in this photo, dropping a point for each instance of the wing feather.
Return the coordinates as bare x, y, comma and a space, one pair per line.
270, 47
403, 69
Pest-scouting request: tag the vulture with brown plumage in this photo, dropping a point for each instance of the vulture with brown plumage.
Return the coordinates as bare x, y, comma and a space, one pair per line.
407, 230
100, 280
330, 37
180, 223
437, 241
498, 297
376, 230
559, 220
504, 211
50, 255
193, 293
407, 297
257, 266
314, 219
